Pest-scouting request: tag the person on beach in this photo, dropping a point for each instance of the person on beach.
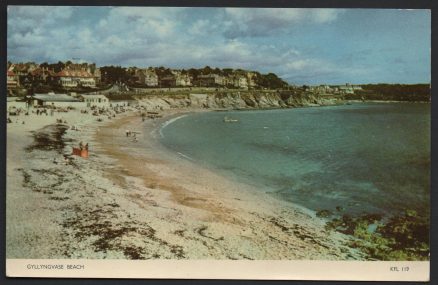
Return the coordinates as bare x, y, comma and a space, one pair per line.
81, 146
86, 146
127, 133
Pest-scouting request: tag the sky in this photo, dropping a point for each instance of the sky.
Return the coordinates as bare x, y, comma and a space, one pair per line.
302, 46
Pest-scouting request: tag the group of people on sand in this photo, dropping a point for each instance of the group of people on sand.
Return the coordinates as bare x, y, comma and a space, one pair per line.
82, 146
61, 121
42, 111
9, 121
132, 134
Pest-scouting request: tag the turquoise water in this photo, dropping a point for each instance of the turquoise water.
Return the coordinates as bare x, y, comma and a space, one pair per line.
363, 157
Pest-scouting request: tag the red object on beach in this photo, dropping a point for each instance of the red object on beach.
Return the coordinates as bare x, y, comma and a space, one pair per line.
80, 152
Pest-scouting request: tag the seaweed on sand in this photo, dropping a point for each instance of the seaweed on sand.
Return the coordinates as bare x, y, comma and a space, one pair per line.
400, 237
49, 138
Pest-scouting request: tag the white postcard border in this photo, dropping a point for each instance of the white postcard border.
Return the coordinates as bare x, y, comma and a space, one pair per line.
221, 269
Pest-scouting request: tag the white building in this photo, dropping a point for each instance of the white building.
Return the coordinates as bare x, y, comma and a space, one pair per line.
251, 76
183, 80
346, 90
210, 80
241, 82
56, 100
148, 77
98, 100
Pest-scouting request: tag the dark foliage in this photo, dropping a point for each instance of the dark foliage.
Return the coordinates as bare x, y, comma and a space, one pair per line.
112, 74
401, 237
393, 92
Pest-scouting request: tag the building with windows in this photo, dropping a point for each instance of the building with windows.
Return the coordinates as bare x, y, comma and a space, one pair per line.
240, 82
251, 80
75, 78
182, 80
98, 100
148, 77
210, 80
55, 100
12, 80
168, 81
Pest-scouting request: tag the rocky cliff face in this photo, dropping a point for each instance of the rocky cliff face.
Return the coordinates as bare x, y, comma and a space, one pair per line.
237, 100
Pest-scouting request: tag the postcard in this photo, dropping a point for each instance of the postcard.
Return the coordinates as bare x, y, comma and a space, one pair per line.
218, 143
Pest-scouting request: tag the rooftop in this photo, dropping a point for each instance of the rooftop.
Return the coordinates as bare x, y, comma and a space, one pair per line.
74, 73
97, 96
55, 98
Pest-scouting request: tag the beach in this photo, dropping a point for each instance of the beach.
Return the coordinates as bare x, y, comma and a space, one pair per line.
138, 200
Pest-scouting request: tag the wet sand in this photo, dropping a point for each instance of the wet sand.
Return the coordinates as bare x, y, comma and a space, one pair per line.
138, 200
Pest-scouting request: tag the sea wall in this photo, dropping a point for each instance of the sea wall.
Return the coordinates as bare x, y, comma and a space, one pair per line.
237, 100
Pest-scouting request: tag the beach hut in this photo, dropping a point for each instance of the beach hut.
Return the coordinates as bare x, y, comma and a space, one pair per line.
55, 100
97, 100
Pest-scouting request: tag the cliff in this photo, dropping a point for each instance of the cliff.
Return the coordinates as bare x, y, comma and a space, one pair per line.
237, 100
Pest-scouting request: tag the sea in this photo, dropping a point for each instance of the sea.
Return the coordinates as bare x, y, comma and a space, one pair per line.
360, 158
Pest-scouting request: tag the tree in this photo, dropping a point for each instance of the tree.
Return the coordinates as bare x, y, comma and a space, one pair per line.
194, 72
111, 74
227, 71
270, 81
207, 70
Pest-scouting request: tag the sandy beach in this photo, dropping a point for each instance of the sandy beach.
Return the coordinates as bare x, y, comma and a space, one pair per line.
138, 200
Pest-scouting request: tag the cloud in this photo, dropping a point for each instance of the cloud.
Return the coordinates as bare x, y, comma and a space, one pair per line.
319, 70
24, 19
250, 22
133, 36
201, 27
176, 38
28, 26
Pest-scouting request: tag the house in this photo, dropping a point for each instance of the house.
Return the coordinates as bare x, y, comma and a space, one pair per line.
168, 81
22, 70
97, 76
56, 100
98, 100
182, 80
74, 78
148, 77
240, 82
210, 80
12, 80
228, 81
346, 89
42, 74
324, 89
251, 79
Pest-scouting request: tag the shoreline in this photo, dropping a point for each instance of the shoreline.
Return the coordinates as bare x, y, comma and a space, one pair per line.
198, 197
133, 200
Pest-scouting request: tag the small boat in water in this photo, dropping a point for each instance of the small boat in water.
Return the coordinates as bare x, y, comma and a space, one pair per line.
228, 120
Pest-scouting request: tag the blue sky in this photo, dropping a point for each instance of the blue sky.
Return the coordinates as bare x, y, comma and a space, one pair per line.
303, 46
